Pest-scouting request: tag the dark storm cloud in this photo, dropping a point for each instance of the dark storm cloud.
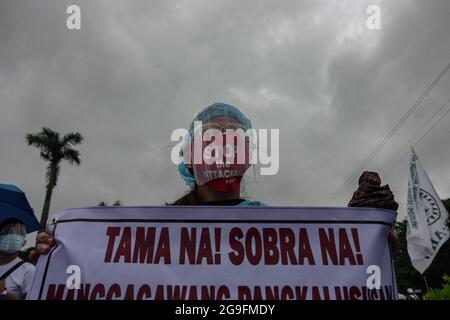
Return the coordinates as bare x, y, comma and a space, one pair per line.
139, 69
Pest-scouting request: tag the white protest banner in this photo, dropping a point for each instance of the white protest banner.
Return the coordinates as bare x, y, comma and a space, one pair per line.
219, 253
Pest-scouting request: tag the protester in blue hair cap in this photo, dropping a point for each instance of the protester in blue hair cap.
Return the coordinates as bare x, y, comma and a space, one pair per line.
217, 112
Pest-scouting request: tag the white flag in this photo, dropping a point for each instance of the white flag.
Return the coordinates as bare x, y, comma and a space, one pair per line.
427, 228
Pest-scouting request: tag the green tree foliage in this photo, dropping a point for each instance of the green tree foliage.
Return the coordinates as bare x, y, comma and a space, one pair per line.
54, 149
440, 294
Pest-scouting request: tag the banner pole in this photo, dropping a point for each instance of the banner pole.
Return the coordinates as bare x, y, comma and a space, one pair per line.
426, 283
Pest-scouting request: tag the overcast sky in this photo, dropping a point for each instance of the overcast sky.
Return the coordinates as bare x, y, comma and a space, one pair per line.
137, 70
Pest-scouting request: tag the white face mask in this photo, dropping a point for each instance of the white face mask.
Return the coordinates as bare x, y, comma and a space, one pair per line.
11, 243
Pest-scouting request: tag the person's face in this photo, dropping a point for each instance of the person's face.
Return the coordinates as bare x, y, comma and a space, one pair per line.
224, 156
12, 237
221, 123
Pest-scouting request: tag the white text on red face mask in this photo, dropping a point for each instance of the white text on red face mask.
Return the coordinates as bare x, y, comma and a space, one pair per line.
260, 151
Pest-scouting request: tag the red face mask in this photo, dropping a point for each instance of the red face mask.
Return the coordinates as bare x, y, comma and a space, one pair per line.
225, 185
223, 177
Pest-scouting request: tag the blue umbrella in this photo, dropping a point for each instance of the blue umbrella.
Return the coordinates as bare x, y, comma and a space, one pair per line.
14, 205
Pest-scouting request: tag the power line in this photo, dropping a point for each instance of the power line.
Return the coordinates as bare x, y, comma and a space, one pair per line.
408, 143
421, 138
389, 135
386, 139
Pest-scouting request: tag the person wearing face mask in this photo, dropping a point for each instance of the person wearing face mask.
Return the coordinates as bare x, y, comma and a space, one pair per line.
16, 275
17, 219
214, 185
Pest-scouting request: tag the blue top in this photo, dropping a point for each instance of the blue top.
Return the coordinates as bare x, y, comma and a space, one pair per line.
249, 203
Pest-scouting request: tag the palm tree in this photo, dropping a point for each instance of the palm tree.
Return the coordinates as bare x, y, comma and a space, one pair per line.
54, 150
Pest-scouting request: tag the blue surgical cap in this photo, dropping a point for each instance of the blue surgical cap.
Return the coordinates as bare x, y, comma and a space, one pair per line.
217, 109
221, 110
